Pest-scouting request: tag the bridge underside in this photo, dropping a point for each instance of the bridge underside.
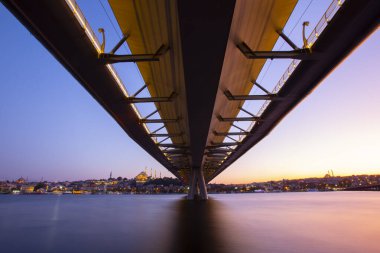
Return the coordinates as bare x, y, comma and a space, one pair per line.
203, 67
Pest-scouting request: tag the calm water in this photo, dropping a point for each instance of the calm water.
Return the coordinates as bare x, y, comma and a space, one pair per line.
279, 222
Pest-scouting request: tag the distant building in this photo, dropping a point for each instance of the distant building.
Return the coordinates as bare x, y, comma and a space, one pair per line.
27, 188
141, 178
21, 180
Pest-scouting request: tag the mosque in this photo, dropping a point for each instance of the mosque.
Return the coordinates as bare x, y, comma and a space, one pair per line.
143, 176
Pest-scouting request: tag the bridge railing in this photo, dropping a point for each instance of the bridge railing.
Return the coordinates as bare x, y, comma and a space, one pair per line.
323, 22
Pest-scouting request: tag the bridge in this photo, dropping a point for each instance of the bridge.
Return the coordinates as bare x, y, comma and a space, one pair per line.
199, 61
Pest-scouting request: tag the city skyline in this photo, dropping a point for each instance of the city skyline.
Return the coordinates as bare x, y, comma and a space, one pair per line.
328, 173
51, 126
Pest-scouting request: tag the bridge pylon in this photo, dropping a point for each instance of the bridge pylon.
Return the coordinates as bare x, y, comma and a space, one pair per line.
198, 189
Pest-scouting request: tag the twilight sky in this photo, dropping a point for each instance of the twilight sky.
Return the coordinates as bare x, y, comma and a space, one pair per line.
52, 128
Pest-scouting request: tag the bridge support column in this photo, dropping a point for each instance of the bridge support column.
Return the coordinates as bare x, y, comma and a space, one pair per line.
193, 185
202, 185
198, 189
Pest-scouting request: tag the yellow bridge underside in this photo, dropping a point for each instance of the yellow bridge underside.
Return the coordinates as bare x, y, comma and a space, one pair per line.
151, 23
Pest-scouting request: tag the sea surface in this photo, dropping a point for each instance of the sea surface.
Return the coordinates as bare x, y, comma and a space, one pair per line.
259, 222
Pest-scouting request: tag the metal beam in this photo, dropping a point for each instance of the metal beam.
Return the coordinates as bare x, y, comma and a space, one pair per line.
250, 97
177, 151
163, 140
302, 54
151, 114
165, 135
182, 163
179, 158
171, 145
158, 129
241, 129
208, 162
109, 58
140, 90
230, 133
215, 155
118, 45
287, 40
179, 162
134, 100
229, 137
247, 112
225, 144
158, 120
222, 119
212, 165
218, 151
178, 155
211, 162
261, 87
214, 159
211, 148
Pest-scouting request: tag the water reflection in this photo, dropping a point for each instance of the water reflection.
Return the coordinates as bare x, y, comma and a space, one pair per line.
335, 222
197, 227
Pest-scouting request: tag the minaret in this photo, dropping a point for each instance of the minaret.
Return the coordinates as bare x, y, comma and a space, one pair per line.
155, 173
151, 174
110, 175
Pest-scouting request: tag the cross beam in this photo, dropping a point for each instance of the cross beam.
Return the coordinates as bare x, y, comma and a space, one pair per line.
218, 151
301, 54
230, 133
165, 135
176, 151
250, 97
109, 58
224, 144
134, 100
222, 119
171, 145
209, 154
158, 120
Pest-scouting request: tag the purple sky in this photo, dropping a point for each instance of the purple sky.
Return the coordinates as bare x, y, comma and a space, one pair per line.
52, 128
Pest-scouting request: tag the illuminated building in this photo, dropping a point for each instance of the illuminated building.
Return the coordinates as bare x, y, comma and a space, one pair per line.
27, 188
141, 178
21, 180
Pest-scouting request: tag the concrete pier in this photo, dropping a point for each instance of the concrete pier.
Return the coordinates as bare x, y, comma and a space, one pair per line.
198, 189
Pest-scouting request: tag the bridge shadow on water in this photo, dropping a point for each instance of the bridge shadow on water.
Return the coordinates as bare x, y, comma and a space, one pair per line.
197, 227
